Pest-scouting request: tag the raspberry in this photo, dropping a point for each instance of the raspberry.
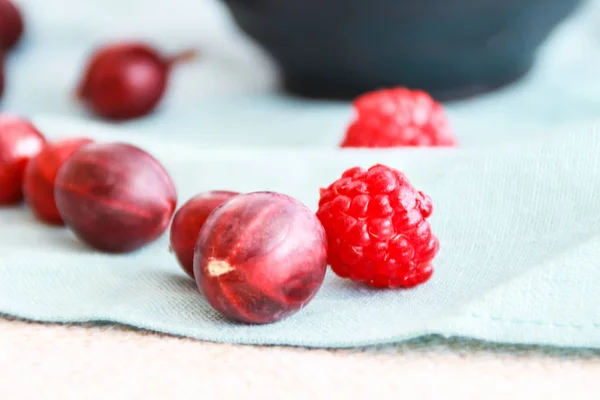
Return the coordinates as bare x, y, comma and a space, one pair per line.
377, 228
398, 117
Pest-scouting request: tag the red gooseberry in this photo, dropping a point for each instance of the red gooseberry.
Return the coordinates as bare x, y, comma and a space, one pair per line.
11, 25
114, 196
260, 257
188, 221
126, 80
40, 176
19, 142
1, 75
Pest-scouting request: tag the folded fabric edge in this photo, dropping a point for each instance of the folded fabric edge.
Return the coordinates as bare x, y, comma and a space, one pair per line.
59, 127
545, 335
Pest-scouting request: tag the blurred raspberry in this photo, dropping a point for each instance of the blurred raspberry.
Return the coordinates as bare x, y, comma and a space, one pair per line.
398, 117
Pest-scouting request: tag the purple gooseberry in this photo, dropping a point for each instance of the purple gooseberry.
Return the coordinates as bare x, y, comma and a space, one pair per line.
260, 257
114, 196
126, 80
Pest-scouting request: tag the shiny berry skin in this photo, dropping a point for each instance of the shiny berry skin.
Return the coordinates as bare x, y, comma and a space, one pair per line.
1, 75
260, 257
188, 221
11, 25
126, 80
114, 196
377, 228
19, 142
40, 176
398, 117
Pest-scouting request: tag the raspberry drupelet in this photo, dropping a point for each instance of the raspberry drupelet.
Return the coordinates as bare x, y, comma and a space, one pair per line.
377, 228
398, 117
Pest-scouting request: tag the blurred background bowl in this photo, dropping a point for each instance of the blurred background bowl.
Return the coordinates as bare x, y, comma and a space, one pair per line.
450, 48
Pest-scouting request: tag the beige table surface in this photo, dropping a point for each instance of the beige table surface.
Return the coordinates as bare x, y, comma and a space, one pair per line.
59, 362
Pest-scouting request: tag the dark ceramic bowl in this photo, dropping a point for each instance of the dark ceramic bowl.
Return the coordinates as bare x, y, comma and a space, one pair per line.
450, 48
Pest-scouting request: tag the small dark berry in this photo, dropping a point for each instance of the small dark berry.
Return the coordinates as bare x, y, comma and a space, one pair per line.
126, 80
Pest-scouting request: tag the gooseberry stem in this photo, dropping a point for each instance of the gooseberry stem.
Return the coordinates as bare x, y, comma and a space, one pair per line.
184, 56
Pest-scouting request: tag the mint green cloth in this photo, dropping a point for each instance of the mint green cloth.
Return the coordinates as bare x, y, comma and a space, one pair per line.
519, 263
